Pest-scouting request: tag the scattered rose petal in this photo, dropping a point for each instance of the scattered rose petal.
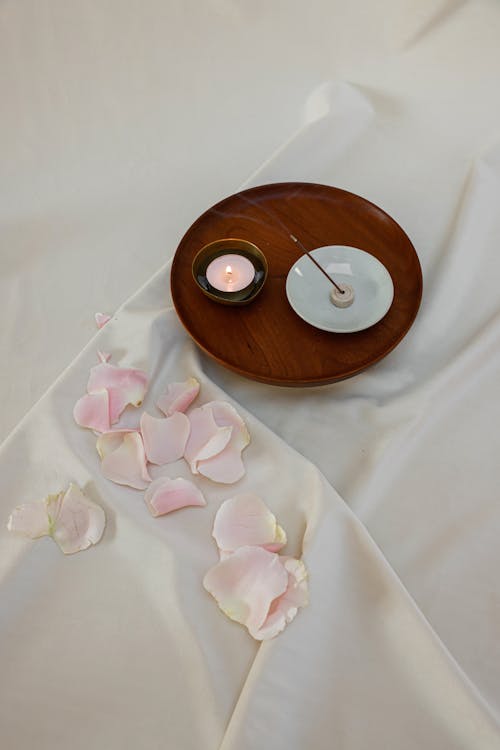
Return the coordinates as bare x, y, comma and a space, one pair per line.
124, 385
211, 449
164, 439
101, 319
206, 438
227, 466
215, 444
103, 356
245, 520
123, 459
283, 609
30, 519
165, 495
73, 520
246, 583
92, 411
76, 522
109, 391
178, 396
244, 587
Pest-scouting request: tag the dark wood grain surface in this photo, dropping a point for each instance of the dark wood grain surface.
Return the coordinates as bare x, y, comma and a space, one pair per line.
266, 340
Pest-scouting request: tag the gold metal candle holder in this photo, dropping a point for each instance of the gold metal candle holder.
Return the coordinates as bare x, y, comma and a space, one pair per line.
229, 245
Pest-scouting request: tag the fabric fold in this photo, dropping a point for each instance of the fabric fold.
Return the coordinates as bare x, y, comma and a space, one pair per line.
398, 645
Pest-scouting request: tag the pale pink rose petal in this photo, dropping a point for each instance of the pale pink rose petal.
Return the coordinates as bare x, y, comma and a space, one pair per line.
284, 608
118, 402
30, 519
246, 583
165, 495
178, 396
123, 459
76, 522
206, 437
215, 444
226, 415
101, 319
246, 520
103, 356
165, 439
92, 411
73, 520
125, 385
227, 466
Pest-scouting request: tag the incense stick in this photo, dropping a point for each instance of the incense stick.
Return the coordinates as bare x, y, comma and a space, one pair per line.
299, 243
292, 237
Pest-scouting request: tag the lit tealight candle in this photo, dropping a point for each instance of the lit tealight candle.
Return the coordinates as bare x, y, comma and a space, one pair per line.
230, 273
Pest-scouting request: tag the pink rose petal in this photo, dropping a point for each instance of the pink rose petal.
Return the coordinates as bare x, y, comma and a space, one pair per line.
178, 396
246, 583
213, 452
206, 438
73, 520
165, 495
227, 466
76, 521
215, 444
165, 439
92, 411
283, 609
101, 319
125, 386
123, 459
245, 520
30, 519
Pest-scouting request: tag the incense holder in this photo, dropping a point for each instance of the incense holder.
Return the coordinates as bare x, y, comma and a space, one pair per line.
366, 280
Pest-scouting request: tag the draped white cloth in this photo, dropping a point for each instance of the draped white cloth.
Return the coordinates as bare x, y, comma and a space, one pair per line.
120, 646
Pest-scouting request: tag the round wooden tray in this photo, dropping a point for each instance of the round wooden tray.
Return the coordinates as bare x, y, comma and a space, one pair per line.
266, 340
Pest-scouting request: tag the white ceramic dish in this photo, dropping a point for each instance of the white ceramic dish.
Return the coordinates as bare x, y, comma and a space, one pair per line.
308, 290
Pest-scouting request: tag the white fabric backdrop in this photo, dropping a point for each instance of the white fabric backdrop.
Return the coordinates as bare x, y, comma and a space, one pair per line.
122, 122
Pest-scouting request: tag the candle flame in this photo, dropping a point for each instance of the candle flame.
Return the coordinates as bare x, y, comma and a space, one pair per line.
229, 270
229, 274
